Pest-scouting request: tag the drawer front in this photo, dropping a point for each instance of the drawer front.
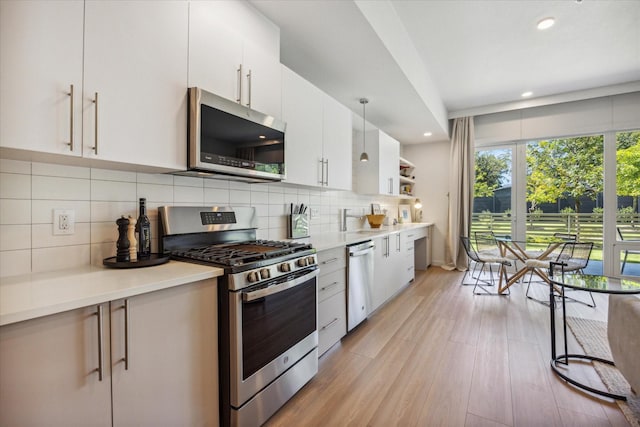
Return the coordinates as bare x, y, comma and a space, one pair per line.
417, 233
332, 321
332, 260
331, 283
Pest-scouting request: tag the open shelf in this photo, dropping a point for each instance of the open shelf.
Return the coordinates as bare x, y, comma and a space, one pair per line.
406, 178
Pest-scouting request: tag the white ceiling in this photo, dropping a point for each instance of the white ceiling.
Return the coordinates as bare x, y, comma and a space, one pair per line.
420, 62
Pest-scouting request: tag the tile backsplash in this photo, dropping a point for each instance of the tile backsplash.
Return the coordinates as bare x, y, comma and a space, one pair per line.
29, 192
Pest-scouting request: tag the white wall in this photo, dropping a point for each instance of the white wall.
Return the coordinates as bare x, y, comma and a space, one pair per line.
432, 186
29, 192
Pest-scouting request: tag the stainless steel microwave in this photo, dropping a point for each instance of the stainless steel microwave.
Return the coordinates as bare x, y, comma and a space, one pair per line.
227, 138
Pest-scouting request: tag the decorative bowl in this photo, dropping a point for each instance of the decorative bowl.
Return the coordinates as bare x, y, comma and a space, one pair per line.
375, 221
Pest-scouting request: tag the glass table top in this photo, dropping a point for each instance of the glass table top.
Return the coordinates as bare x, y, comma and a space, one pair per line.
603, 284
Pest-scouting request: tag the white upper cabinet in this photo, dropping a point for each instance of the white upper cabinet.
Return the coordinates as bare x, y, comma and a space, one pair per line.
136, 66
302, 111
380, 175
234, 53
40, 59
133, 55
318, 135
215, 52
336, 135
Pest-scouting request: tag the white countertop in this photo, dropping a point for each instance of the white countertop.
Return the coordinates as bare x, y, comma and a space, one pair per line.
336, 239
41, 294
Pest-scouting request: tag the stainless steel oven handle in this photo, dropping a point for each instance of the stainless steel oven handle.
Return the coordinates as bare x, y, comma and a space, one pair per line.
261, 293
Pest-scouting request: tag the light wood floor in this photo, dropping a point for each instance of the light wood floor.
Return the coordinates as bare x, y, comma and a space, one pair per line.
437, 355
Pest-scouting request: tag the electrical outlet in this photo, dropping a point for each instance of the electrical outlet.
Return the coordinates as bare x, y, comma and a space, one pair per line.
64, 221
314, 213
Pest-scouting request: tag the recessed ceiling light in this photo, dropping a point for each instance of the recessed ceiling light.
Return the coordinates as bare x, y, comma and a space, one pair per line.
526, 94
262, 137
545, 23
428, 133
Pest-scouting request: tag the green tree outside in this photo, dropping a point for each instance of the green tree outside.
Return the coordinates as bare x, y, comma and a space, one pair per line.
490, 172
628, 166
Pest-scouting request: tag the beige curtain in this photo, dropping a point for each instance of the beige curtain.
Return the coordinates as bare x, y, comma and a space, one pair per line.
461, 183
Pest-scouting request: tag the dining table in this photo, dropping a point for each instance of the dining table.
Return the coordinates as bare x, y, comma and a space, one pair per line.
516, 250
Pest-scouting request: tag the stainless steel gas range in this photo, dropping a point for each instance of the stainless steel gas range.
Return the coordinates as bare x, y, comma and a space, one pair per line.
268, 334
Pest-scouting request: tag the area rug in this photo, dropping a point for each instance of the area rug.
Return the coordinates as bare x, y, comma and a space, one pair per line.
592, 336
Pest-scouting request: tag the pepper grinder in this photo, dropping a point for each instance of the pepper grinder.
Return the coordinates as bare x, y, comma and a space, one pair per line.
122, 245
133, 243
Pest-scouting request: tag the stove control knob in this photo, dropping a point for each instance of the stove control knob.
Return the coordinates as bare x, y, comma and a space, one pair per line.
302, 262
253, 276
311, 260
264, 273
285, 267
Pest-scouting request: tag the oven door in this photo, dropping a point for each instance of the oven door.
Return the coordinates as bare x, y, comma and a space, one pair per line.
271, 328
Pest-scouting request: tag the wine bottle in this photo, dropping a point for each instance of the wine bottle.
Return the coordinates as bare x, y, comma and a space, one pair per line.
143, 227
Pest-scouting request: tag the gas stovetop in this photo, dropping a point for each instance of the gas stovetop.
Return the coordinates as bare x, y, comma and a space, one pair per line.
240, 253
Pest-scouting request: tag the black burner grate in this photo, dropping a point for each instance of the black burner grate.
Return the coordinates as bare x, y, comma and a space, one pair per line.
241, 253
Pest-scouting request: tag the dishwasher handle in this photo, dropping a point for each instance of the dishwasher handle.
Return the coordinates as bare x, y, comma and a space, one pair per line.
360, 248
361, 253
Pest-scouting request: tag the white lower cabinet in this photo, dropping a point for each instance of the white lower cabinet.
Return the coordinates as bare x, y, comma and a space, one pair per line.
393, 266
332, 309
158, 366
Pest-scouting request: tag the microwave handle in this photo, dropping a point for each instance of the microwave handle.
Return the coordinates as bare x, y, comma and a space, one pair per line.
261, 293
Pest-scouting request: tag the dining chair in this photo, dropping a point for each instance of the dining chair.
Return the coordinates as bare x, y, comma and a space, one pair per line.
482, 260
573, 257
626, 251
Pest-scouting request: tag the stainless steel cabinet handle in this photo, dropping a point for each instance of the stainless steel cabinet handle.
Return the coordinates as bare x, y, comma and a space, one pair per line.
126, 334
249, 89
329, 261
326, 181
390, 185
324, 288
70, 143
239, 98
397, 243
100, 368
95, 135
387, 246
321, 161
328, 325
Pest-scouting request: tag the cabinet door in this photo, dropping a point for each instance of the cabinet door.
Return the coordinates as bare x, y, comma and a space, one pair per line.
302, 111
49, 370
40, 58
215, 51
172, 372
381, 275
336, 143
389, 173
262, 82
136, 61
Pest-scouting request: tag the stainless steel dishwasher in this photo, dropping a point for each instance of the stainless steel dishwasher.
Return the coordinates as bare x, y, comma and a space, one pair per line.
360, 273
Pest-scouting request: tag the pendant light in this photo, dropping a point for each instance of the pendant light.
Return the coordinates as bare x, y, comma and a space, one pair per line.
364, 157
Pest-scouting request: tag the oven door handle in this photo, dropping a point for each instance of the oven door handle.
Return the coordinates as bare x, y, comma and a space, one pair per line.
261, 293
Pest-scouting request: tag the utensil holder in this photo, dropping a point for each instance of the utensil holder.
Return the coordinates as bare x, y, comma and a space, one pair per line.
297, 226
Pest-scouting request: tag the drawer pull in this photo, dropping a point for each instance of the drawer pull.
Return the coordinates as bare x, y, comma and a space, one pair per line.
330, 324
100, 368
329, 261
324, 288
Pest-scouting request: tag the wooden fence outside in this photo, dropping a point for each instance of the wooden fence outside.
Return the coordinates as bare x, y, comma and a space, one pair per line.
542, 226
